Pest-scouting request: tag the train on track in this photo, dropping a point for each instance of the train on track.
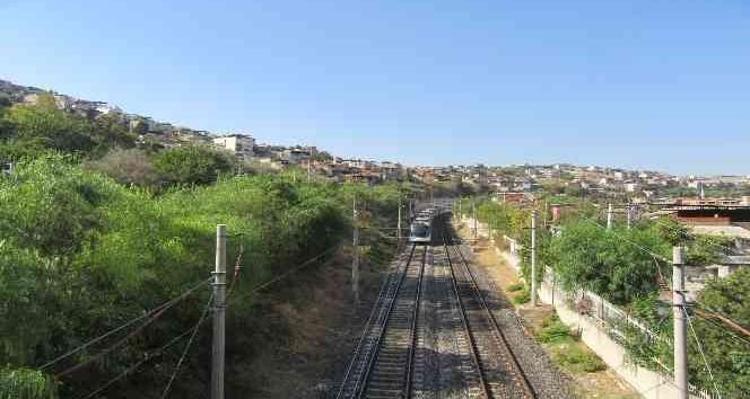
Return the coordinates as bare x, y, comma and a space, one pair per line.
420, 231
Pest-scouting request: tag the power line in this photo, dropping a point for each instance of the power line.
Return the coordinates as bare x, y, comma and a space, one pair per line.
716, 245
148, 356
292, 270
723, 328
237, 269
725, 319
639, 246
159, 309
700, 349
187, 347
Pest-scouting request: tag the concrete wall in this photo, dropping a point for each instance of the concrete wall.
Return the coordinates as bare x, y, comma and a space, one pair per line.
648, 383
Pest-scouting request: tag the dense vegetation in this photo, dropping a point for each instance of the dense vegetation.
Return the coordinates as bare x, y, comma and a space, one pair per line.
628, 267
94, 232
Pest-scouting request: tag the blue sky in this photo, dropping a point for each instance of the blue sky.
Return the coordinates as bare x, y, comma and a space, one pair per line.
641, 84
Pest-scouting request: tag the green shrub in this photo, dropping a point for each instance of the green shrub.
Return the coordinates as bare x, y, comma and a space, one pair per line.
516, 287
522, 297
556, 331
26, 384
577, 359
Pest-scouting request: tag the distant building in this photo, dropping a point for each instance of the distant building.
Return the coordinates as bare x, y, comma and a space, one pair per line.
295, 155
241, 145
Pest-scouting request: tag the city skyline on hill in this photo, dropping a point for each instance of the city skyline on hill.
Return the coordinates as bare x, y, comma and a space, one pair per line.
640, 85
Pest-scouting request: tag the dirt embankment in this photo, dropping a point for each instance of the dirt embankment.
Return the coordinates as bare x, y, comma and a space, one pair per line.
311, 326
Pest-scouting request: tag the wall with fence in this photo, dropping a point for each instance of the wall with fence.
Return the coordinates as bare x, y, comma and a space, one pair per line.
596, 320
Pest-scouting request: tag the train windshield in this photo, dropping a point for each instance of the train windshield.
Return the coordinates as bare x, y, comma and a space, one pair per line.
420, 229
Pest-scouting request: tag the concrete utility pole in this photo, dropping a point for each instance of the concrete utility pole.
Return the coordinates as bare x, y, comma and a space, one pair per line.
398, 223
219, 314
309, 165
474, 216
609, 216
355, 255
629, 214
533, 257
680, 332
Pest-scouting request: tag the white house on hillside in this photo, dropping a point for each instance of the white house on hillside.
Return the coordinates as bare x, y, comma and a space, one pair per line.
240, 145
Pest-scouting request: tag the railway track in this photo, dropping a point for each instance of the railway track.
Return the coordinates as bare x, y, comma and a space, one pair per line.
450, 346
382, 365
495, 367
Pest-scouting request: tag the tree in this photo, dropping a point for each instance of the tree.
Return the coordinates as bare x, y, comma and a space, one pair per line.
193, 164
727, 352
610, 263
706, 250
672, 231
43, 126
110, 132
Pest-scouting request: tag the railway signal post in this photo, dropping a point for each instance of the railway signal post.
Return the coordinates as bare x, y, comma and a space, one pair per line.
219, 314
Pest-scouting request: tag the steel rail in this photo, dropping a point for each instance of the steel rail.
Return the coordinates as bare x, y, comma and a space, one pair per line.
513, 361
414, 325
387, 287
360, 391
474, 349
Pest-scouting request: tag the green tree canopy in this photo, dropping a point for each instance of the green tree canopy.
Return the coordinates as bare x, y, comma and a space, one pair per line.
43, 126
193, 165
612, 263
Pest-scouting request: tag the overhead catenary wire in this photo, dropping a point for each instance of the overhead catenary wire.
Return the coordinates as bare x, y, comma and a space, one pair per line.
716, 245
722, 327
629, 241
294, 269
237, 269
112, 347
706, 313
187, 347
703, 354
156, 313
147, 357
157, 310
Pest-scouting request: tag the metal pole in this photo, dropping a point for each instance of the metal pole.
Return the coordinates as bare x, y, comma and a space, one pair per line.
609, 217
680, 332
474, 216
355, 255
533, 257
219, 314
629, 214
398, 223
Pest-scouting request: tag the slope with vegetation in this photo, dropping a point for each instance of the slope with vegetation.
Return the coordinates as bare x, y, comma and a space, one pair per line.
96, 233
